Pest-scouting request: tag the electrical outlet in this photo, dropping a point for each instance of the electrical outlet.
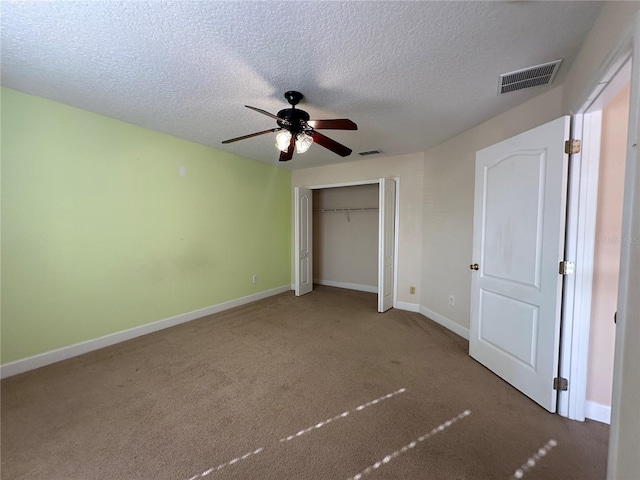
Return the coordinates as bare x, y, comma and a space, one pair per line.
412, 290
254, 279
452, 300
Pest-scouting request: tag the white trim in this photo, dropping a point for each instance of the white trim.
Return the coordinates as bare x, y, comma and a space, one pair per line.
409, 307
628, 41
597, 411
581, 226
349, 286
59, 354
609, 66
611, 84
569, 286
580, 248
624, 458
396, 237
445, 322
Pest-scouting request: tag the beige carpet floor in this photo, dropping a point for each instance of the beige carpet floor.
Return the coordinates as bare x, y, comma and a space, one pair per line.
317, 387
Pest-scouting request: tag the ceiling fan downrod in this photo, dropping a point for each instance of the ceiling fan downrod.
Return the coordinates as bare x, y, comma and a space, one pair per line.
296, 118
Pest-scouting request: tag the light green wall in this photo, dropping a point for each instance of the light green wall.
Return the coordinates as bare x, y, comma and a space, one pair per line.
101, 232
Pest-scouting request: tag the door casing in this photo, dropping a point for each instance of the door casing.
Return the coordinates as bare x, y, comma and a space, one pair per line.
581, 240
376, 181
623, 444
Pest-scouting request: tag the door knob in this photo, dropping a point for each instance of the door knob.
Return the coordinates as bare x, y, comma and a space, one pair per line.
475, 266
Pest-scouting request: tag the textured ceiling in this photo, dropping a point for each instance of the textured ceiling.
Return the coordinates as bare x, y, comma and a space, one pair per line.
410, 74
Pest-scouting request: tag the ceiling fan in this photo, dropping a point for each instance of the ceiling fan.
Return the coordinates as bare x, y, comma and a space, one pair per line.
297, 131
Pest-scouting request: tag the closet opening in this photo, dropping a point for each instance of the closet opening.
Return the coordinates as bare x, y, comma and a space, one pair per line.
335, 241
345, 237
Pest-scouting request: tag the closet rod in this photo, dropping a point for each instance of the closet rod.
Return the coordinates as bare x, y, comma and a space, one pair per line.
330, 210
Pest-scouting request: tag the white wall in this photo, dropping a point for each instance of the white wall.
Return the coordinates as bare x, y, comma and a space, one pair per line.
409, 170
447, 229
345, 244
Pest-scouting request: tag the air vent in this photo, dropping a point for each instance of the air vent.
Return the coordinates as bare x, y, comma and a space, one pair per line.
528, 77
370, 152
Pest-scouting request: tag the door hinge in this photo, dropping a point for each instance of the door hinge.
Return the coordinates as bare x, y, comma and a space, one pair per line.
561, 384
566, 268
572, 146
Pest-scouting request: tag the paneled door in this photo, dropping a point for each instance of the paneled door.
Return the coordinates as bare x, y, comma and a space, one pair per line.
386, 243
303, 241
518, 243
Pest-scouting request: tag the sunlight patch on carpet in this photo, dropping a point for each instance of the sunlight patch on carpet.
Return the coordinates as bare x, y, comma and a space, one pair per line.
409, 446
531, 462
342, 415
228, 464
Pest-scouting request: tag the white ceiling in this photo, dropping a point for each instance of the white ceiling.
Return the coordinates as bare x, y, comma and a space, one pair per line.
410, 74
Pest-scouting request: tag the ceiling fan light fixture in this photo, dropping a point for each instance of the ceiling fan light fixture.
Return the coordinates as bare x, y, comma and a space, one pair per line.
295, 129
303, 142
283, 139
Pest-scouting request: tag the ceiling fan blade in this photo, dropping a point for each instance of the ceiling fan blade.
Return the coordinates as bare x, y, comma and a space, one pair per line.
288, 155
336, 124
252, 135
332, 145
264, 112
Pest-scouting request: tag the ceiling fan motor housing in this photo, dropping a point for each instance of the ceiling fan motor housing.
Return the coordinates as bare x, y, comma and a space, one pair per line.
296, 119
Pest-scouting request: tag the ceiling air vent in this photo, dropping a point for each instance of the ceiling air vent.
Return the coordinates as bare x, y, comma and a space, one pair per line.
528, 77
370, 152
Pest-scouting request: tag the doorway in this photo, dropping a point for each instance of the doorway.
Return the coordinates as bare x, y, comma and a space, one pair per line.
345, 236
606, 262
387, 227
594, 240
517, 349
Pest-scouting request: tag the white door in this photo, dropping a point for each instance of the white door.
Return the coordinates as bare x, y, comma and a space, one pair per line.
303, 241
386, 243
518, 242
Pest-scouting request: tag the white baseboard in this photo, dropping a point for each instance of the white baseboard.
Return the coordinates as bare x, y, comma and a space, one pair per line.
445, 322
410, 307
349, 286
53, 356
597, 411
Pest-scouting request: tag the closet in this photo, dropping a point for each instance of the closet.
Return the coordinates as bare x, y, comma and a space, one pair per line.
345, 237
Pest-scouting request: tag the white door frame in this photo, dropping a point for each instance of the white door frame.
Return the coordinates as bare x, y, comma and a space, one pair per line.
580, 240
397, 220
574, 354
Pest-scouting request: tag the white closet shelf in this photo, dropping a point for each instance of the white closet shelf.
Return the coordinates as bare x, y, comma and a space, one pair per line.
346, 210
357, 209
